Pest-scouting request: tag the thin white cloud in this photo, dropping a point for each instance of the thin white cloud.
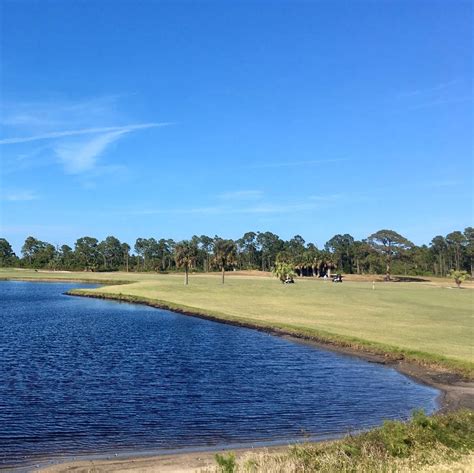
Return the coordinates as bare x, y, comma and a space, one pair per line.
327, 197
44, 116
436, 103
83, 131
279, 208
295, 163
429, 90
73, 134
20, 196
81, 157
241, 195
264, 208
444, 93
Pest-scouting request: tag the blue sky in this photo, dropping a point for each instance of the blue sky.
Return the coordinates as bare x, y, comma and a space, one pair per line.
169, 119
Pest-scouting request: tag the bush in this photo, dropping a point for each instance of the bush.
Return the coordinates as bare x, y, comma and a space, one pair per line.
227, 463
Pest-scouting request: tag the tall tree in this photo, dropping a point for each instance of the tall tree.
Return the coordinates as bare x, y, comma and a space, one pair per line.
361, 251
29, 248
185, 256
140, 248
469, 236
87, 252
39, 254
295, 248
66, 257
341, 246
111, 251
439, 248
206, 243
248, 250
165, 252
270, 246
46, 255
7, 256
153, 254
390, 244
126, 254
456, 241
225, 254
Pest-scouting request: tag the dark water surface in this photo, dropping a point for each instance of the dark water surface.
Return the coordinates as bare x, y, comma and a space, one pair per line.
81, 376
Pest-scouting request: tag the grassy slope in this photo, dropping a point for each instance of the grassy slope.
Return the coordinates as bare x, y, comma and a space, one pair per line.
436, 444
411, 317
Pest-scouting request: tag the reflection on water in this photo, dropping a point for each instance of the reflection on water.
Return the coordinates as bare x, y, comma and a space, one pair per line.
82, 375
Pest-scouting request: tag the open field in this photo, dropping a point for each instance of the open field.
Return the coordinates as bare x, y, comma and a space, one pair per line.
429, 321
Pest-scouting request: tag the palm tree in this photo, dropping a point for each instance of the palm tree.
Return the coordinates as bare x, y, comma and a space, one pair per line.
284, 272
185, 256
225, 254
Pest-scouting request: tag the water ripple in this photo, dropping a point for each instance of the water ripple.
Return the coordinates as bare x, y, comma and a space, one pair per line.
90, 376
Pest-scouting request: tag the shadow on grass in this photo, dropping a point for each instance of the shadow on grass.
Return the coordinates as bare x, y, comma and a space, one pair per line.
408, 279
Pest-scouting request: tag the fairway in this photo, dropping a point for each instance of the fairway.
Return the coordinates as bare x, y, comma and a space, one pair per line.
432, 319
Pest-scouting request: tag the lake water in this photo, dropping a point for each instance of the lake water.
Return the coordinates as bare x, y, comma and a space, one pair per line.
86, 376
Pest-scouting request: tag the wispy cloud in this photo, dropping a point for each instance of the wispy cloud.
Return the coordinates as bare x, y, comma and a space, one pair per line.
80, 157
261, 208
20, 196
84, 131
73, 134
429, 90
49, 115
241, 195
295, 163
327, 197
435, 103
279, 208
444, 93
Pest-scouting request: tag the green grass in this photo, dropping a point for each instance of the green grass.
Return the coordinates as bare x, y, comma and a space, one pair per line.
424, 322
423, 444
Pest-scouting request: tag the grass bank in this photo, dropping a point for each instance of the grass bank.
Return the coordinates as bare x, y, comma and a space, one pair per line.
437, 443
430, 324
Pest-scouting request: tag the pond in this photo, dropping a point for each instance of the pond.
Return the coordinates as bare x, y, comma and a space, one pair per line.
87, 376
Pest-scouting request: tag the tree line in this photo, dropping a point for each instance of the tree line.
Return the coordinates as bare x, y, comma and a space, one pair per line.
384, 252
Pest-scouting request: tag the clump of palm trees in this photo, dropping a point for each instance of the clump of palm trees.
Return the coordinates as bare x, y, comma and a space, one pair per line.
224, 256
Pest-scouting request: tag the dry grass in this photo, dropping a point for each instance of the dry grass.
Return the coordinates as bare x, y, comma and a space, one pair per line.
436, 462
440, 443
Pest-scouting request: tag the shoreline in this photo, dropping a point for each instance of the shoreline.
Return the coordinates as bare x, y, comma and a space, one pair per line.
186, 461
457, 390
448, 368
455, 393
